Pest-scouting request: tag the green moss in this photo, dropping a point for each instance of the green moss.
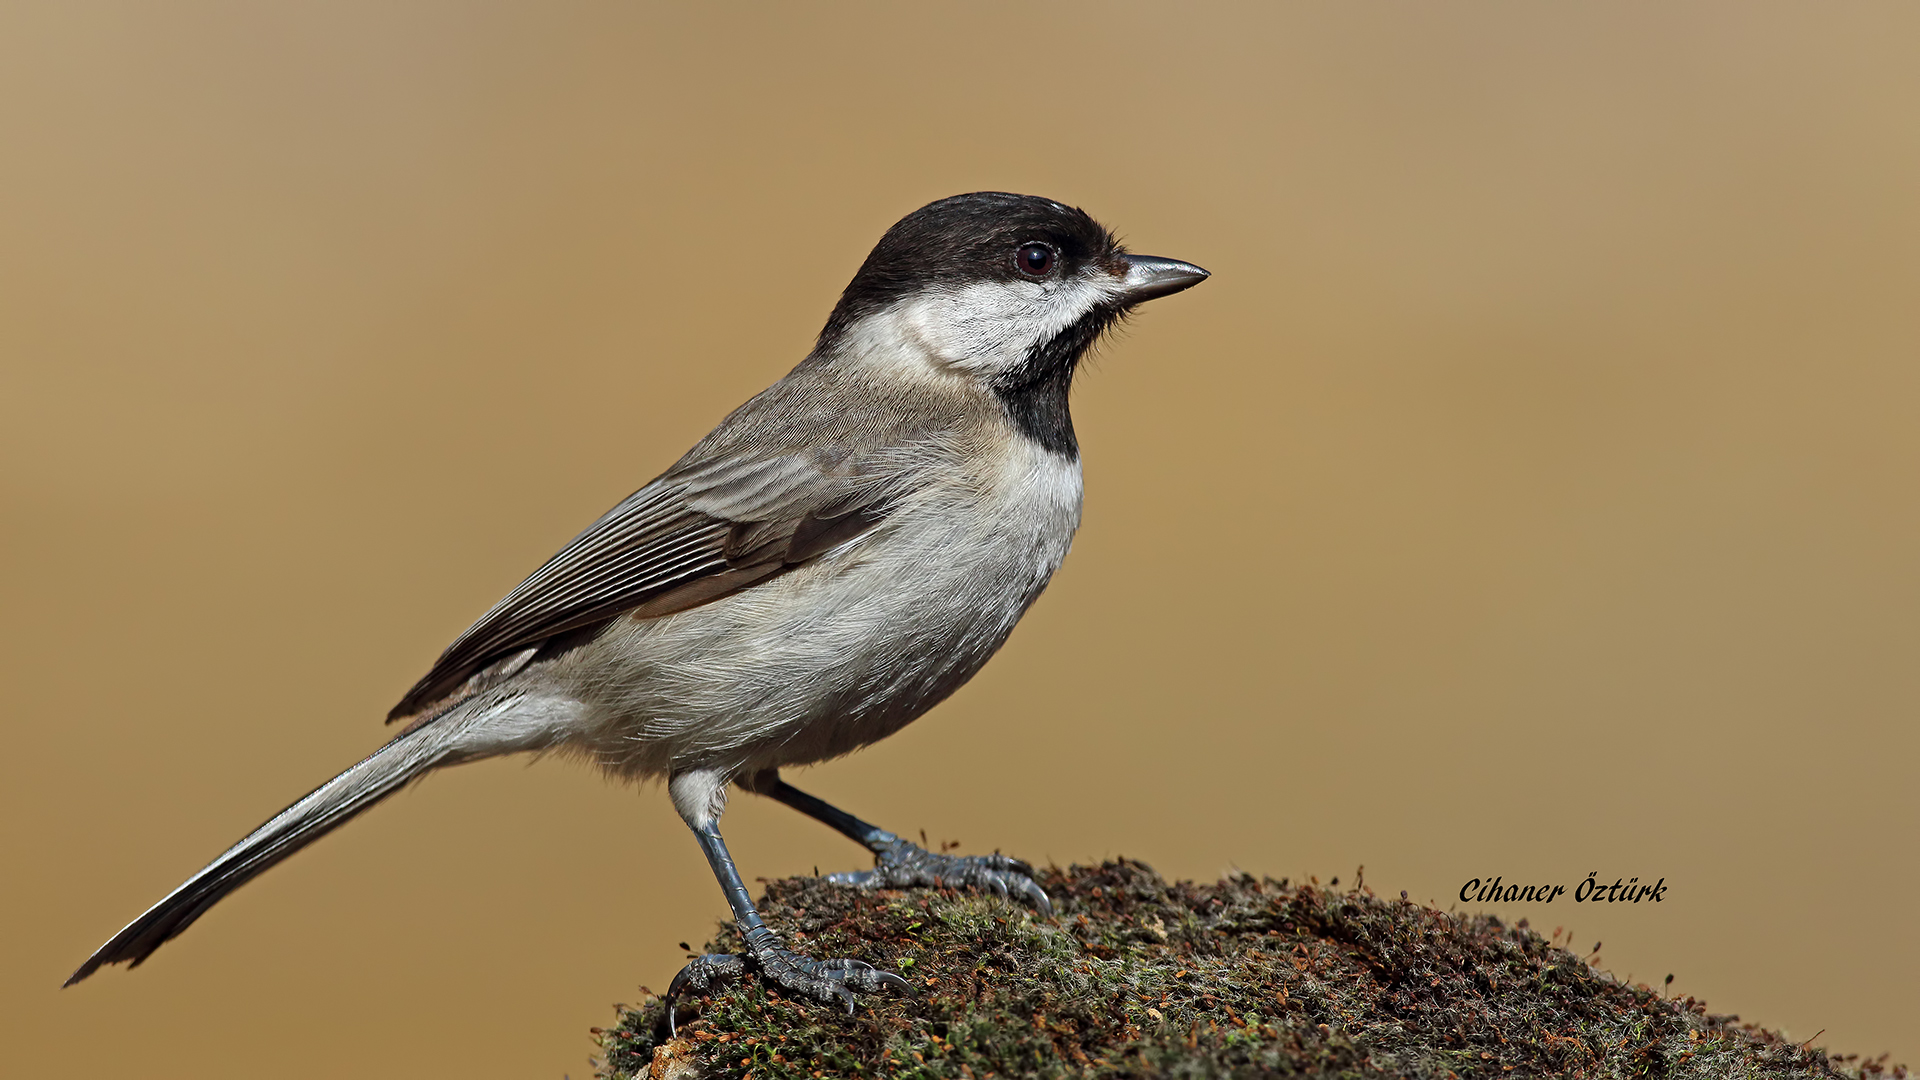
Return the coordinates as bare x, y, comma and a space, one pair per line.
1136, 976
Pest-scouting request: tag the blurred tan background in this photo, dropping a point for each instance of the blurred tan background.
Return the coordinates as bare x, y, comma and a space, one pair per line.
1531, 492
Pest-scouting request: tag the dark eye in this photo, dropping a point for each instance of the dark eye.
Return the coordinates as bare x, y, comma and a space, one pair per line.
1034, 260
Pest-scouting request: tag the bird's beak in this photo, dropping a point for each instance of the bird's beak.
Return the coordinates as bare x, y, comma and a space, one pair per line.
1148, 276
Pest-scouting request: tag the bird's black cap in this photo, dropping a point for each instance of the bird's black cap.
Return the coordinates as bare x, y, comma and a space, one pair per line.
994, 236
966, 239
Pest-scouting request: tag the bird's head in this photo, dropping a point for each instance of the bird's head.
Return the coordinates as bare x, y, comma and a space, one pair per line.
1007, 290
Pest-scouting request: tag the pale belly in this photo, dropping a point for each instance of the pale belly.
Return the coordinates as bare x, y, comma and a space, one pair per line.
836, 654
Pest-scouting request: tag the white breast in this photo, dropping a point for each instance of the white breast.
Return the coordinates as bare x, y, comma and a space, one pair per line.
845, 650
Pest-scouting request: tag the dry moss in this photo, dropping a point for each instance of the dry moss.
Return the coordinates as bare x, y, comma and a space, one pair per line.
1136, 976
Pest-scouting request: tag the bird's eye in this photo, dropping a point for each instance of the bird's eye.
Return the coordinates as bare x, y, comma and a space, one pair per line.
1034, 260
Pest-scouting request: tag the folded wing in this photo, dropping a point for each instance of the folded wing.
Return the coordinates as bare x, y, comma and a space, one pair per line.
693, 536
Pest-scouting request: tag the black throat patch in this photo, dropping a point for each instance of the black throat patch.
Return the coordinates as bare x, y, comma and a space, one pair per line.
1039, 410
1035, 393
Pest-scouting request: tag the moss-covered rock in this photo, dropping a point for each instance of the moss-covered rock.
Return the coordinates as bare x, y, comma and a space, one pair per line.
1135, 976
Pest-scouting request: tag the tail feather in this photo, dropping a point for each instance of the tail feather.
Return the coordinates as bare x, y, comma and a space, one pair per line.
377, 776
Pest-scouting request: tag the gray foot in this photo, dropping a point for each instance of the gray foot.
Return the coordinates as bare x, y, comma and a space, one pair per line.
902, 864
825, 981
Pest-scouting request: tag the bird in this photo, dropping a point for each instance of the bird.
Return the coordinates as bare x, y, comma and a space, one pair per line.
832, 560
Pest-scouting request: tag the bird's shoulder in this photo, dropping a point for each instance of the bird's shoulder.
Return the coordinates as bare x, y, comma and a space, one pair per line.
817, 459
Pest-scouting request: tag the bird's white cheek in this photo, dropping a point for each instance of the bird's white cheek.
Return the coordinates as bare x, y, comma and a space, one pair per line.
912, 339
979, 329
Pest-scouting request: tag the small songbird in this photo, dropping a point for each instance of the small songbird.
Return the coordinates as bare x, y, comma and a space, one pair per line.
840, 554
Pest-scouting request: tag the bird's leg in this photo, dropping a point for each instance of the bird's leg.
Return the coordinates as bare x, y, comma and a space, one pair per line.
823, 980
900, 863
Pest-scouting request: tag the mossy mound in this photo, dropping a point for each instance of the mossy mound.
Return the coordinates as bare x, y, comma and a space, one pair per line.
1135, 976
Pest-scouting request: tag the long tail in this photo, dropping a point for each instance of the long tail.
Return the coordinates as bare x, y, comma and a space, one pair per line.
377, 776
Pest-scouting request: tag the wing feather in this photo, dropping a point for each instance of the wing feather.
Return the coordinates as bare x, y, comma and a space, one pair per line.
698, 533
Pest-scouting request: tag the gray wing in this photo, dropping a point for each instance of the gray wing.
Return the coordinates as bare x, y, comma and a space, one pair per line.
696, 534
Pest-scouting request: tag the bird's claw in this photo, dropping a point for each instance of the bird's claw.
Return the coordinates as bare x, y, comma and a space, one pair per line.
825, 981
902, 864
